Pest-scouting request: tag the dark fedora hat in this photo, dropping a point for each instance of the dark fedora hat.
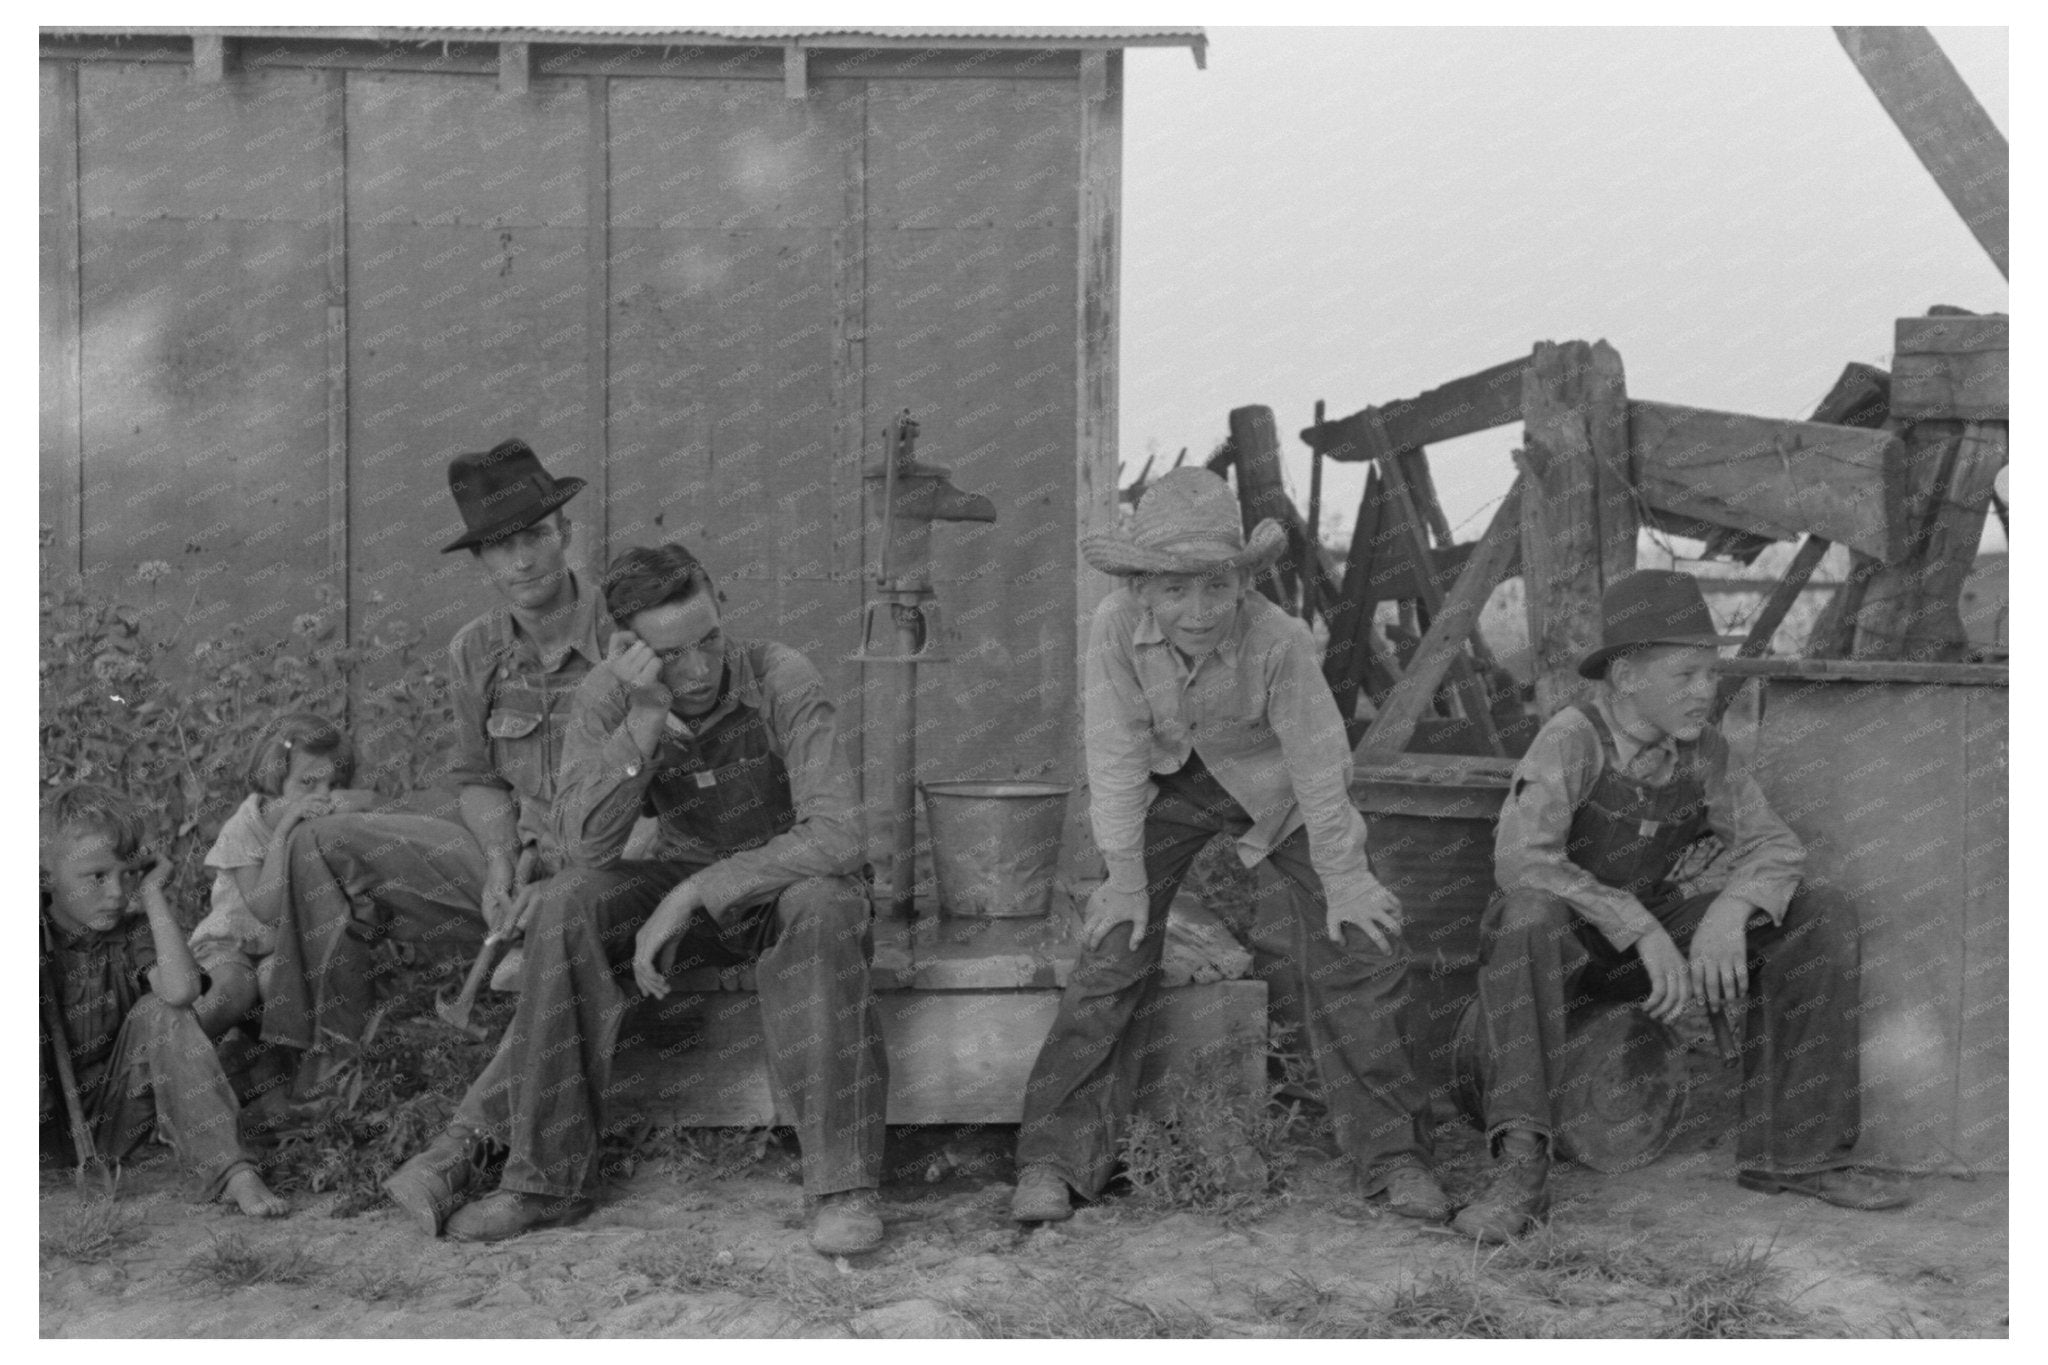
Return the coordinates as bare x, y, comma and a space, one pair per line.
503, 490
1651, 607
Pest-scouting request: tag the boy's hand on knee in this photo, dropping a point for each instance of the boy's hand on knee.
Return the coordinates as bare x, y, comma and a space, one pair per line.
1376, 913
1719, 965
1669, 976
664, 925
1108, 907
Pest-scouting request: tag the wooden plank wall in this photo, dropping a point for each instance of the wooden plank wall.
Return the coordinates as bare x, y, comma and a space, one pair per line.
295, 293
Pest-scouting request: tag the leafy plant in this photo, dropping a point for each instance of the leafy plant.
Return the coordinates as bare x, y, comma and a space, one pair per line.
127, 699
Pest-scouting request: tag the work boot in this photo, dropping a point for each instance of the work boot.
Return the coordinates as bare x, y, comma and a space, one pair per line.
430, 1185
507, 1213
1516, 1195
1041, 1196
846, 1223
1847, 1188
1411, 1190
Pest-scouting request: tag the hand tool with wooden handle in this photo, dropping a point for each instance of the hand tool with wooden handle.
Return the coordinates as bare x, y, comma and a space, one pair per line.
82, 1144
456, 1012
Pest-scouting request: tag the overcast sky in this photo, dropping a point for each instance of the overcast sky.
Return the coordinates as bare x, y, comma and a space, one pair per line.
1359, 214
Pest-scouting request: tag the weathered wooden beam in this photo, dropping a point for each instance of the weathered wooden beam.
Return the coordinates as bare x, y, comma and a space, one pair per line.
1779, 479
515, 68
1910, 609
1456, 618
1466, 685
796, 78
1758, 641
1943, 123
1953, 367
1578, 514
1255, 438
1476, 402
1861, 397
1347, 659
209, 58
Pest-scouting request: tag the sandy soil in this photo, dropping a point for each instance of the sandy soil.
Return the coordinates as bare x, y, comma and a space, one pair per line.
704, 1239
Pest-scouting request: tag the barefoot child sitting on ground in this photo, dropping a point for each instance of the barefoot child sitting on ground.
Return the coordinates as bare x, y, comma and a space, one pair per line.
124, 985
300, 770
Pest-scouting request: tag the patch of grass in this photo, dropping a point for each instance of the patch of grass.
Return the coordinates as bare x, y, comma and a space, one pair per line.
233, 1262
383, 1284
1305, 1307
1564, 1270
1443, 1305
91, 1232
1736, 1295
1072, 1306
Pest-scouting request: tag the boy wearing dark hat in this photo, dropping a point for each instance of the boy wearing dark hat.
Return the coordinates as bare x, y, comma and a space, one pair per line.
1205, 713
515, 671
1611, 793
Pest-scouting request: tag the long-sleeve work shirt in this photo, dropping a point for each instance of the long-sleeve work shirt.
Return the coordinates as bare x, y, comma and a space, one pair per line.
758, 788
1557, 775
1257, 710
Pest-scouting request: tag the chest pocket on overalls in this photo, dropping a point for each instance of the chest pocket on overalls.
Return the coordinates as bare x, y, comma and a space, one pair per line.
731, 793
525, 728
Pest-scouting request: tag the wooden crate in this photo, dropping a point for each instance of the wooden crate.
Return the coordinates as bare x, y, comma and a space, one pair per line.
1895, 776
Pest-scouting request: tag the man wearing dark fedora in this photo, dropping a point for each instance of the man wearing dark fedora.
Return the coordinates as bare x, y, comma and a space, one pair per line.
437, 883
1610, 795
1206, 713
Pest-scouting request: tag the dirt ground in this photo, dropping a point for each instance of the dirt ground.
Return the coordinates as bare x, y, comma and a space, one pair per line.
704, 1236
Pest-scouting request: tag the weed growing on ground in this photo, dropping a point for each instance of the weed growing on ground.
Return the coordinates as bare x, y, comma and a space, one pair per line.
383, 1284
387, 1100
693, 1270
1443, 1305
1736, 1295
1305, 1307
92, 1232
234, 1262
1210, 1148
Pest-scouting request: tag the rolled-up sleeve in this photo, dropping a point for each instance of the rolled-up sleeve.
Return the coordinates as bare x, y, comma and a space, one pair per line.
828, 838
1530, 843
1117, 738
1318, 762
1766, 858
469, 669
604, 775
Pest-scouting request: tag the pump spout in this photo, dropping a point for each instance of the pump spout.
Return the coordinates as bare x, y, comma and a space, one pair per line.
947, 503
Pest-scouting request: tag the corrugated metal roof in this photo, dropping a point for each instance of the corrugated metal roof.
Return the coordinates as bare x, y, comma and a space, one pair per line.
1013, 36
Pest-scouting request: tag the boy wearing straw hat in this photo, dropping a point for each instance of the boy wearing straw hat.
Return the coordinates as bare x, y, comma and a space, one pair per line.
1610, 795
1206, 712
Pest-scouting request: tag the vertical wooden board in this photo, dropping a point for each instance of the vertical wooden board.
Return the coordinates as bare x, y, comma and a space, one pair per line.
59, 451
973, 154
202, 280
726, 202
467, 321
205, 410
972, 324
1982, 1081
1868, 775
161, 145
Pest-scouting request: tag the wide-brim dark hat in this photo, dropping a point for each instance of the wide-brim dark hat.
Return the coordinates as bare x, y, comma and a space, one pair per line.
1652, 607
502, 490
1187, 522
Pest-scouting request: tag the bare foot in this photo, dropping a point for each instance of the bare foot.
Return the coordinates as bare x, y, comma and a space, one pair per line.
253, 1197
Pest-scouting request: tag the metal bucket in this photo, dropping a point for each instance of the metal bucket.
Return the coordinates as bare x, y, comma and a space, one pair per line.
995, 845
1619, 1083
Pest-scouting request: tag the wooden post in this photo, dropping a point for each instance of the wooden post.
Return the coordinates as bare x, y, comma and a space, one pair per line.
795, 73
1470, 690
209, 58
1861, 397
1255, 439
1758, 642
1943, 123
1441, 649
515, 68
1578, 515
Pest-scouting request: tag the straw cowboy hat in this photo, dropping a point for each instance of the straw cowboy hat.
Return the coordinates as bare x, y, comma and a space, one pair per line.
1651, 607
1187, 522
503, 490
